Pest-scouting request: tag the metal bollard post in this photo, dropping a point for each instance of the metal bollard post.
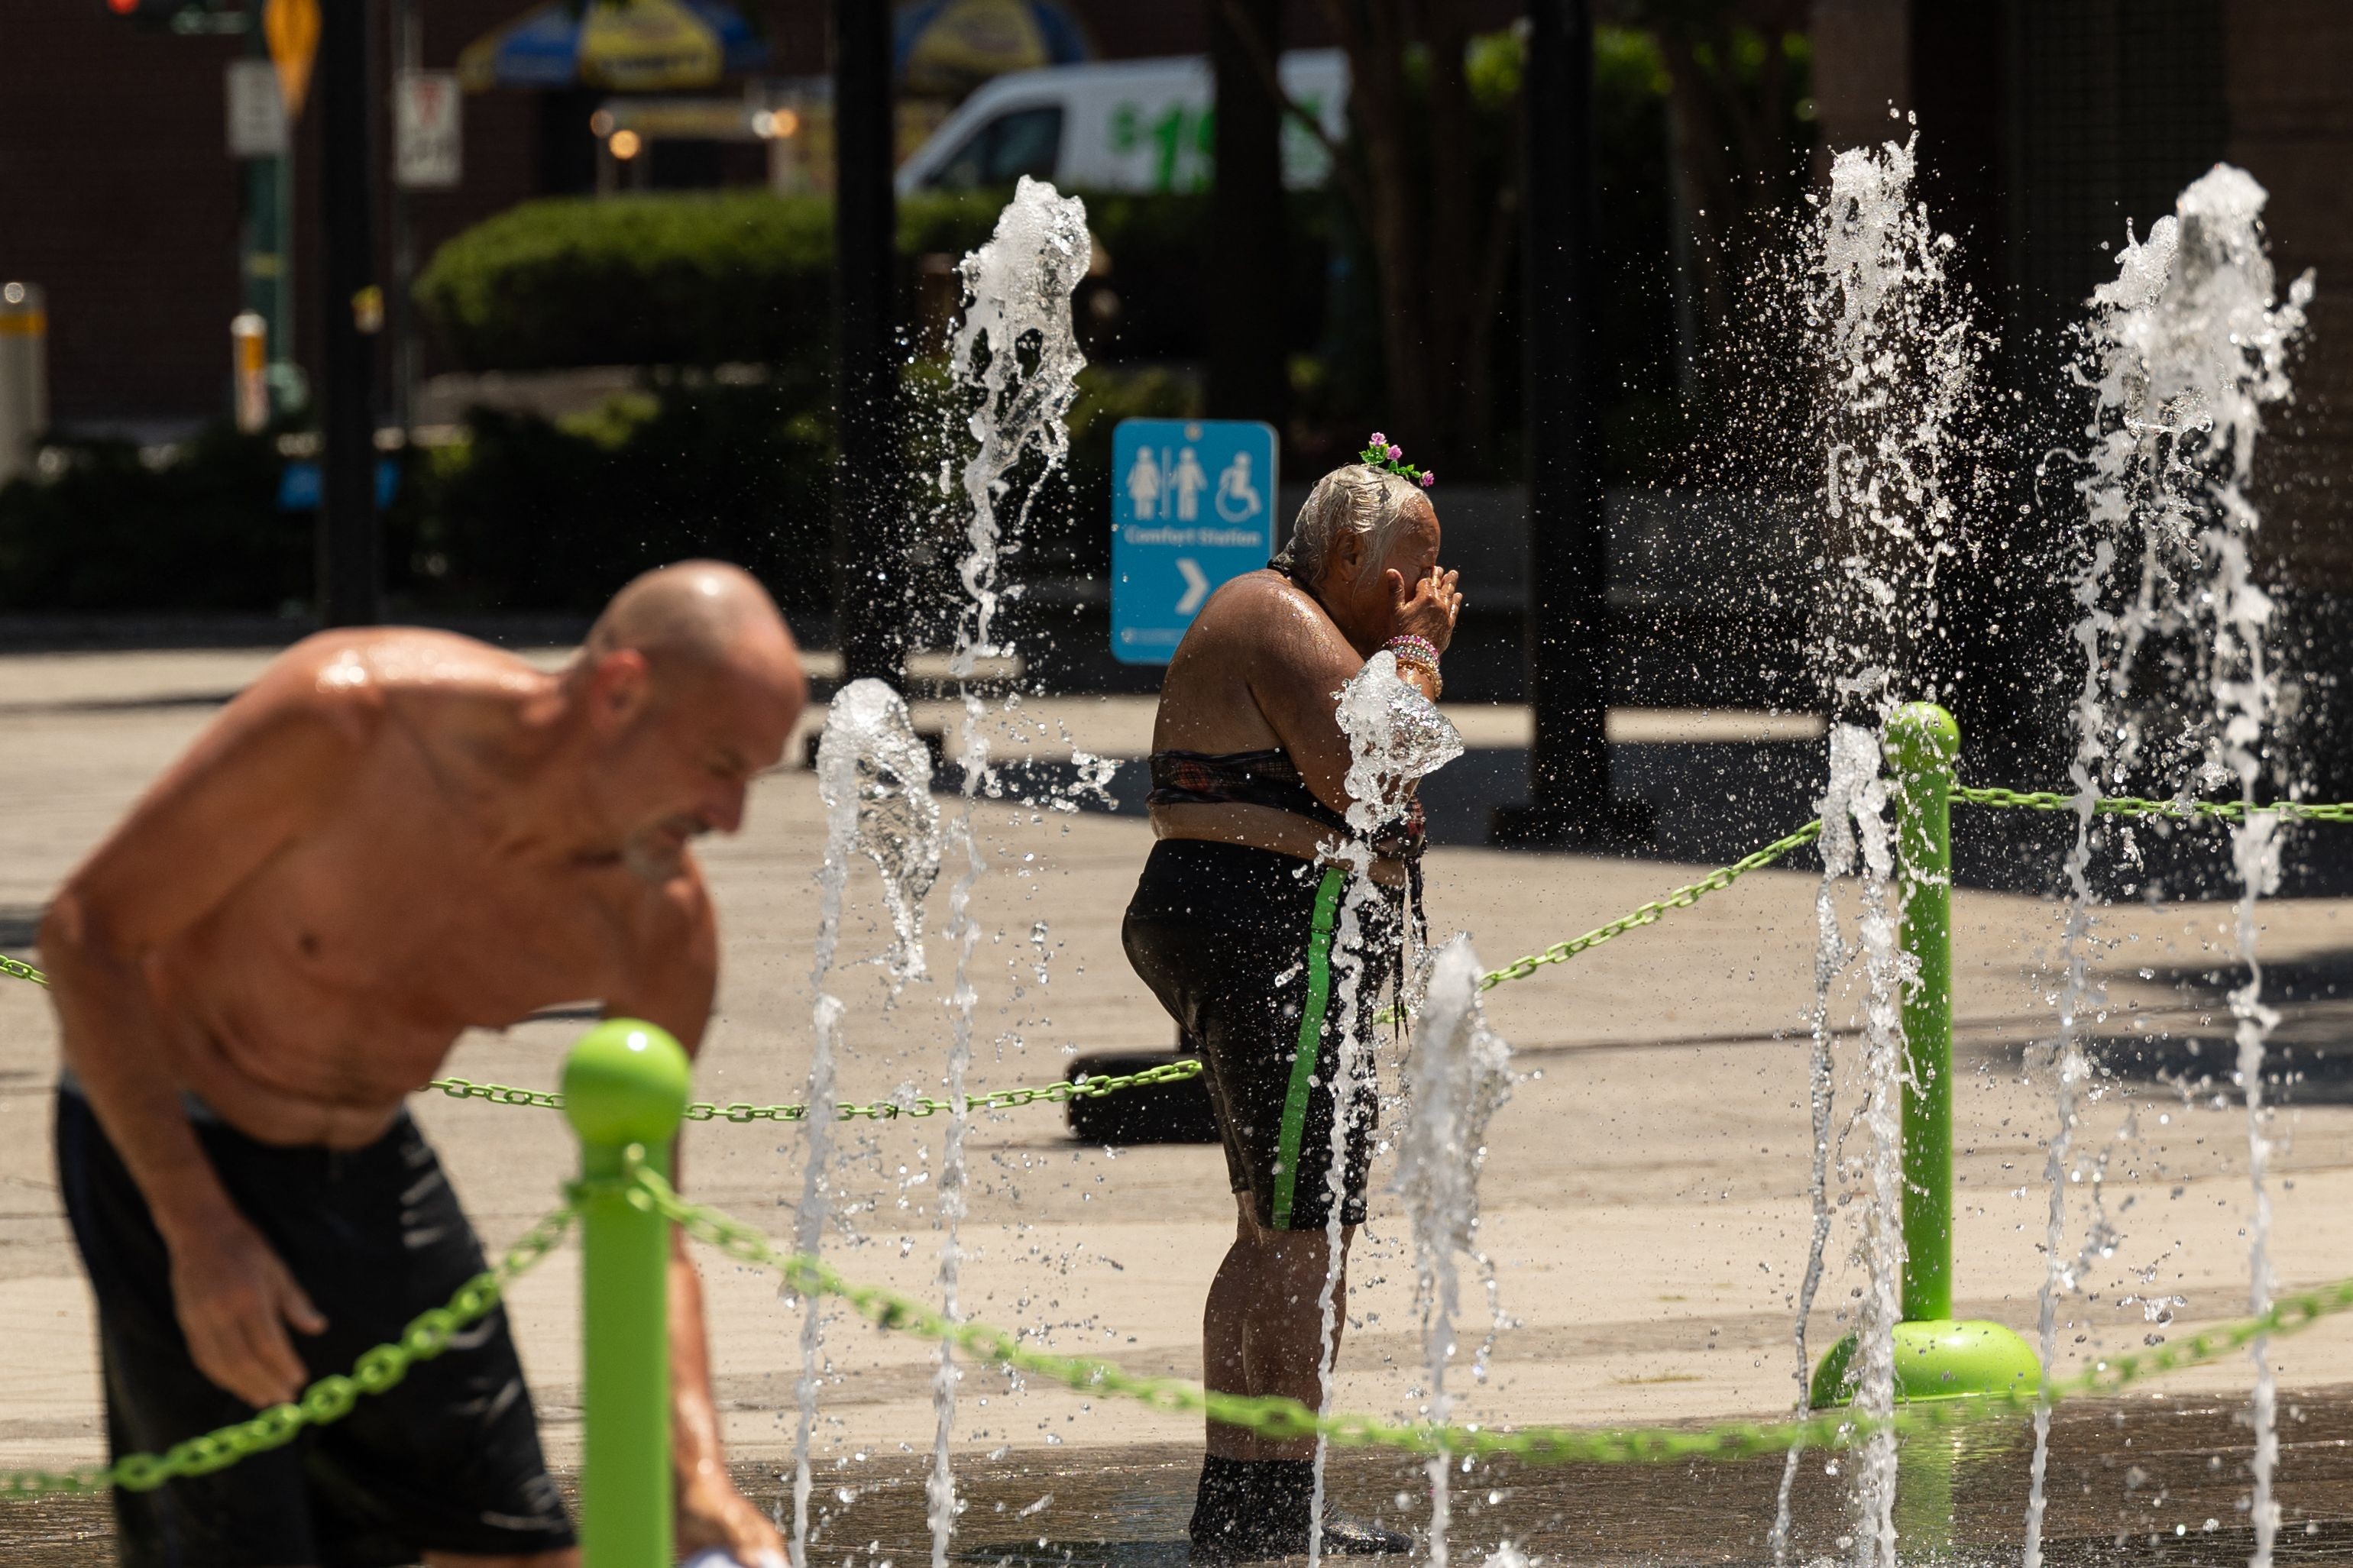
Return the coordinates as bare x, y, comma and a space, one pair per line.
249, 339
625, 1088
24, 375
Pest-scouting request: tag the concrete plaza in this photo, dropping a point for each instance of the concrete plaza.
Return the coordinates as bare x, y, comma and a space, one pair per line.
1645, 1189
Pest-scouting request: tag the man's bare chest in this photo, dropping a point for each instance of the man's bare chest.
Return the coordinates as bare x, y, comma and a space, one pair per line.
417, 914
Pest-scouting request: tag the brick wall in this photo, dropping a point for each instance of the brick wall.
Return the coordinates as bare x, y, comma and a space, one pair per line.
118, 197
118, 194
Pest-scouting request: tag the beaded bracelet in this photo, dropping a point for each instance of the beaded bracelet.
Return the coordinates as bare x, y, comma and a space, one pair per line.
1422, 654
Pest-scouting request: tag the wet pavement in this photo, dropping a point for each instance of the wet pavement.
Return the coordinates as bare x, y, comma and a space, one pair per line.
2160, 1480
1645, 1198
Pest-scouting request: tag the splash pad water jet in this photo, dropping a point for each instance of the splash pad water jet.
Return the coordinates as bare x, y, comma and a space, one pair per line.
1926, 1353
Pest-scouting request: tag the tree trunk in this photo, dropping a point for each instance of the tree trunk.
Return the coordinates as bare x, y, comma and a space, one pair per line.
1249, 377
1373, 33
1478, 431
1449, 225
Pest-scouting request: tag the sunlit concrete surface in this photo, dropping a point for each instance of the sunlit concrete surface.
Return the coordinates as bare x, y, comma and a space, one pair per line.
1645, 1188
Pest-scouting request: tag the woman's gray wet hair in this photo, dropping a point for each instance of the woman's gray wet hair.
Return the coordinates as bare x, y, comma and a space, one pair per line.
1359, 499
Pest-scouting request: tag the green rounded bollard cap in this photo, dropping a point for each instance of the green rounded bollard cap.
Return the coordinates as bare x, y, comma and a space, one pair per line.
1921, 733
626, 1082
1937, 1359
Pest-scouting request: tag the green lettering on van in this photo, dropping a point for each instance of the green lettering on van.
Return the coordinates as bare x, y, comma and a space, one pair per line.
1167, 140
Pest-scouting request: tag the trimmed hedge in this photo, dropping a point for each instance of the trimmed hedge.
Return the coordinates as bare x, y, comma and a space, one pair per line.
532, 515
104, 528
634, 281
701, 279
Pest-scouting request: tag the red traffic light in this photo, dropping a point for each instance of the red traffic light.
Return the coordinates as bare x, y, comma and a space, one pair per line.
122, 7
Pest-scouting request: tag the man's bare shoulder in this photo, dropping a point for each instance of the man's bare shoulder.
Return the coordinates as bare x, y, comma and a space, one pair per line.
354, 677
388, 662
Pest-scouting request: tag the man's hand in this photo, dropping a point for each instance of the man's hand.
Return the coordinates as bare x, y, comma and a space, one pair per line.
1427, 608
235, 1298
712, 1513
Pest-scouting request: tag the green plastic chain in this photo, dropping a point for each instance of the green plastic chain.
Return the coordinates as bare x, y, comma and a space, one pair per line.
2032, 800
1682, 898
328, 1400
331, 1399
1274, 1416
1056, 1093
428, 1335
880, 1110
2180, 810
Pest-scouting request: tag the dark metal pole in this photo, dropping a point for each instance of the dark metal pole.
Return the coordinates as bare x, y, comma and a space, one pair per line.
408, 55
1567, 625
350, 591
869, 556
1245, 261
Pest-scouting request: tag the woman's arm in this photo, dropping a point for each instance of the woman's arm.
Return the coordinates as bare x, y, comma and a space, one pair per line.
1301, 660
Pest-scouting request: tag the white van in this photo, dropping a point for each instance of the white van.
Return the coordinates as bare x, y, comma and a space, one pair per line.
1126, 125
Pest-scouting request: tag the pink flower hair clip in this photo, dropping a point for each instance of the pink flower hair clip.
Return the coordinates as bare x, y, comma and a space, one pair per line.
1383, 455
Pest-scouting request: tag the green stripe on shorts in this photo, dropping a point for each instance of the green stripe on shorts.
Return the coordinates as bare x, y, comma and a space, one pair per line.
1310, 1042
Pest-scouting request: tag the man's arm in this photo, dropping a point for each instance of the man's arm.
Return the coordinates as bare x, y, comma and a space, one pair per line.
254, 780
679, 975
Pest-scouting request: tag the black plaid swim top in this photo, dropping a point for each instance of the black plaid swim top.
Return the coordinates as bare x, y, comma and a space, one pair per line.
1268, 777
1248, 778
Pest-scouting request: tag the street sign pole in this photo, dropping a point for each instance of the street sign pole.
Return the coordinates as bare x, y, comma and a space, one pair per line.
349, 531
1568, 661
1248, 377
408, 52
869, 555
427, 155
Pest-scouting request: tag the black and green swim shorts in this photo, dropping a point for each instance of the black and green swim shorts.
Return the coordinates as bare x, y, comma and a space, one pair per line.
1243, 948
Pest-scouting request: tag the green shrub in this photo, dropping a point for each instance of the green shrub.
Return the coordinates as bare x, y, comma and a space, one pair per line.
634, 281
688, 279
195, 529
701, 279
523, 514
530, 514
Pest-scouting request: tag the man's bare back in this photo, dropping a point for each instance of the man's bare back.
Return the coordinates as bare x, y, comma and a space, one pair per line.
394, 835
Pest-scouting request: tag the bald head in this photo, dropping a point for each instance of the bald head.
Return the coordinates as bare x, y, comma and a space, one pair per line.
688, 685
696, 617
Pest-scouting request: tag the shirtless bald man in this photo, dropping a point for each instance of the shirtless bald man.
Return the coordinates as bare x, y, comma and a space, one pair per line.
391, 836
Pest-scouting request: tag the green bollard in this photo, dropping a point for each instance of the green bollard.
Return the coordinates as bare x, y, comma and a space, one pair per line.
1935, 1357
625, 1088
1922, 743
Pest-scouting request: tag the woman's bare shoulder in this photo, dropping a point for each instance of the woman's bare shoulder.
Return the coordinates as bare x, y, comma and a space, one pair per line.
1262, 605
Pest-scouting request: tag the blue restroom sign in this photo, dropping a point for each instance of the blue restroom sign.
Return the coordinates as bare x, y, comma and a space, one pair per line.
1192, 504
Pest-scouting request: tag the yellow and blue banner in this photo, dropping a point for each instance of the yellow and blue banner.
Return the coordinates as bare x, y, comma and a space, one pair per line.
629, 45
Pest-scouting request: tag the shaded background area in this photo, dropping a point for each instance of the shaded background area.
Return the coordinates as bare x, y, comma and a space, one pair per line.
617, 362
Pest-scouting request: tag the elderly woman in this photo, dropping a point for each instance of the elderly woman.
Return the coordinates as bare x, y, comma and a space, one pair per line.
1233, 927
